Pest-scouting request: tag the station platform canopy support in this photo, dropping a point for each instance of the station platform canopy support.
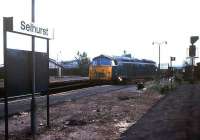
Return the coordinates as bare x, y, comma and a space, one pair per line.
29, 67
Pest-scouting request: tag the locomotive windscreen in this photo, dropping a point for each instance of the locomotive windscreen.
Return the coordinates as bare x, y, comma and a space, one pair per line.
102, 61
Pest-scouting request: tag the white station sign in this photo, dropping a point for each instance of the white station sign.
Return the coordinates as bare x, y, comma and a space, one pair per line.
30, 28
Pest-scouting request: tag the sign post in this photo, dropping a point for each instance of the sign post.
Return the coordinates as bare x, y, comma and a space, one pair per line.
33, 105
11, 79
48, 123
5, 28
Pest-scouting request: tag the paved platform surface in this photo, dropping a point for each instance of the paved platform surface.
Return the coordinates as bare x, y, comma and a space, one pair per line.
175, 117
58, 79
67, 78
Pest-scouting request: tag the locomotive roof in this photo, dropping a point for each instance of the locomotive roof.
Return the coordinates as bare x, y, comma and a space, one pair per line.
125, 59
105, 56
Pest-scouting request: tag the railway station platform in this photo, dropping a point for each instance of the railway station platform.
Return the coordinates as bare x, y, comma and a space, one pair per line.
54, 82
56, 79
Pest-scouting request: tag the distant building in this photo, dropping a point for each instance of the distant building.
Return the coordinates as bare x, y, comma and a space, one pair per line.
53, 64
73, 64
55, 69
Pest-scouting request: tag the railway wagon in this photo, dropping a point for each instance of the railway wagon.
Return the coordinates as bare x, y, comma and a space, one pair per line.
120, 69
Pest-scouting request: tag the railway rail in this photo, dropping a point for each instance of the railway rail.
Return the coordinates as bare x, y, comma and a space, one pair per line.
57, 87
20, 105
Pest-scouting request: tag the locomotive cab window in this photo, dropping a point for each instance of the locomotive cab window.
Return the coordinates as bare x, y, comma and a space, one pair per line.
102, 61
115, 62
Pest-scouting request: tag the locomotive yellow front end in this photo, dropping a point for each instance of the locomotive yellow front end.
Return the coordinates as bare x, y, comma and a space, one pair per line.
100, 73
101, 68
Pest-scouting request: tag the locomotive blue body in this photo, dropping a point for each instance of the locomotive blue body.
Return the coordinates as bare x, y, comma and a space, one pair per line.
121, 69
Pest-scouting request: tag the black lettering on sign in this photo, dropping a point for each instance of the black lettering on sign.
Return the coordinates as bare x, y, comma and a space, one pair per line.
23, 25
27, 27
34, 29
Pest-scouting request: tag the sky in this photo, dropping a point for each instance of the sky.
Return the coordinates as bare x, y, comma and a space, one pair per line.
108, 27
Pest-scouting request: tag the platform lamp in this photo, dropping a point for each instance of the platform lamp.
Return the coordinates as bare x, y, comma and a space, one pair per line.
159, 44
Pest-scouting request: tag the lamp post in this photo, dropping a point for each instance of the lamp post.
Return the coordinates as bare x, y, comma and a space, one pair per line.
159, 44
171, 69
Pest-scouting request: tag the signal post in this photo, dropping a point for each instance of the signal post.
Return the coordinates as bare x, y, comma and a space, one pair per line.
192, 53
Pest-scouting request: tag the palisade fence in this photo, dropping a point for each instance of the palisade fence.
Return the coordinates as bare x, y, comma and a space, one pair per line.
53, 72
188, 72
1, 72
83, 71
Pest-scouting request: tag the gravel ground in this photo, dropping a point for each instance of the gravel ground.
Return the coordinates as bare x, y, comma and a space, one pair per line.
99, 117
175, 117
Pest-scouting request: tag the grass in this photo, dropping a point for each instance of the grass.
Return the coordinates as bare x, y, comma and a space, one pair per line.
163, 86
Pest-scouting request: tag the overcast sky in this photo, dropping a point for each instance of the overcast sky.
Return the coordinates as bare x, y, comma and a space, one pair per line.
109, 27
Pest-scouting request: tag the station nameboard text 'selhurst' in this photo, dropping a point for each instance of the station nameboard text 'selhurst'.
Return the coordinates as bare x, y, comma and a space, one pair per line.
33, 29
29, 28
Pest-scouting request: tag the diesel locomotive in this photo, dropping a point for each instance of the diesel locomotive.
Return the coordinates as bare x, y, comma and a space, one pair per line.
120, 69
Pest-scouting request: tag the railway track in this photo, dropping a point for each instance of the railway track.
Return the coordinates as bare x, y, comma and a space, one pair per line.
20, 105
57, 87
61, 87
